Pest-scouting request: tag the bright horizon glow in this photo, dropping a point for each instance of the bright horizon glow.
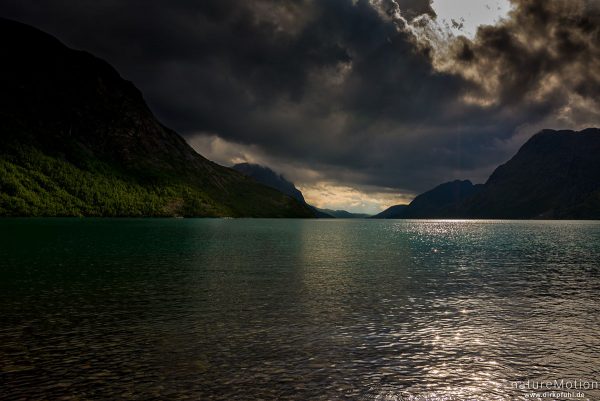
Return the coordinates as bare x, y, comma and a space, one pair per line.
329, 195
316, 191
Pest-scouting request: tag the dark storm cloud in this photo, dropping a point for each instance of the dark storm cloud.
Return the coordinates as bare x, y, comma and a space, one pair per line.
545, 56
347, 88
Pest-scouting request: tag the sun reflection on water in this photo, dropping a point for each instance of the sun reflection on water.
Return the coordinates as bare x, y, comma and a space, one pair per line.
299, 310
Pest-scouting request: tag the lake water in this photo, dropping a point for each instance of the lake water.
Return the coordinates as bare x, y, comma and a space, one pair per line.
296, 309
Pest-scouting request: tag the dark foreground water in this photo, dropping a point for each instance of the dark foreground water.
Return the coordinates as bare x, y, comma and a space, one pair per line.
297, 309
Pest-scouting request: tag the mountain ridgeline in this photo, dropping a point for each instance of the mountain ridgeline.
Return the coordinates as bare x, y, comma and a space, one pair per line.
555, 175
270, 178
442, 201
343, 214
78, 140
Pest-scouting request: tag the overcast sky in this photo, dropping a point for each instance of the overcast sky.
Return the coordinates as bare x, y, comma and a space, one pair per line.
363, 104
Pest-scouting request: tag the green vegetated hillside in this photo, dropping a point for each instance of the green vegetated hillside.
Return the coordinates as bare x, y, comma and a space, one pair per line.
34, 184
78, 140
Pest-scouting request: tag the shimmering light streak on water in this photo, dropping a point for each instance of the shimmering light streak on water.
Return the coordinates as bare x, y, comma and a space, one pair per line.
295, 309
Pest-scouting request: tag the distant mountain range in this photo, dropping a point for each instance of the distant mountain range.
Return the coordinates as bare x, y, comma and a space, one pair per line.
77, 139
270, 178
555, 175
343, 214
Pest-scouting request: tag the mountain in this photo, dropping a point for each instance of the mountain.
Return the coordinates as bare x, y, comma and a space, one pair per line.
442, 201
392, 212
268, 177
555, 175
265, 176
77, 139
320, 214
343, 214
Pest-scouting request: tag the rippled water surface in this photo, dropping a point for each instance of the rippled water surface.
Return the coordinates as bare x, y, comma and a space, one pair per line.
296, 309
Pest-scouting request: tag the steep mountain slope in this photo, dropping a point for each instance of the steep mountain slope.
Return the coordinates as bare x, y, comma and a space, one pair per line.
268, 177
264, 175
555, 175
392, 212
320, 214
77, 139
442, 201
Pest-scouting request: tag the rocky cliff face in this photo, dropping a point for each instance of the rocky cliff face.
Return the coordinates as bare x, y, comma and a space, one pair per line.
69, 123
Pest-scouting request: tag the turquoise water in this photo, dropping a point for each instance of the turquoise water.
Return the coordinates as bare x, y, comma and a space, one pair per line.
296, 309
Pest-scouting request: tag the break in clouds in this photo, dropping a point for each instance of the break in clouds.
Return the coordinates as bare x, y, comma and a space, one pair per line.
375, 95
